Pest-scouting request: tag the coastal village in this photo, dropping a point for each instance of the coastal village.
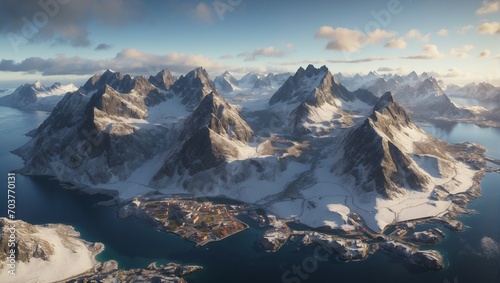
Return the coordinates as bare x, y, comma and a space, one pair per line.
204, 221
199, 222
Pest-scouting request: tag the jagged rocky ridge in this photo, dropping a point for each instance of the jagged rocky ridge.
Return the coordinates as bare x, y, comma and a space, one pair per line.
422, 95
384, 152
208, 138
121, 131
226, 83
316, 99
373, 156
106, 130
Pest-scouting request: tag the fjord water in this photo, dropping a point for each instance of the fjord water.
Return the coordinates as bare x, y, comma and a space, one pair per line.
468, 256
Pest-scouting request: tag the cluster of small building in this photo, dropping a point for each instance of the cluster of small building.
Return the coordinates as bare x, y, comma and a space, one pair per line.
200, 222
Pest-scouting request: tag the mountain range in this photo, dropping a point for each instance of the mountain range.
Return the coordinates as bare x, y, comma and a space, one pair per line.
481, 91
309, 140
427, 98
227, 83
37, 96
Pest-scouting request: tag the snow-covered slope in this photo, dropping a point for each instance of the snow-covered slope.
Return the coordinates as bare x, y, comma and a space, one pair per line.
129, 135
271, 80
46, 253
315, 102
103, 131
226, 82
37, 96
481, 91
422, 95
376, 153
211, 136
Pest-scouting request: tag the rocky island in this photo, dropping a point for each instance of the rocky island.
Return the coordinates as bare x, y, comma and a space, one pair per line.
56, 253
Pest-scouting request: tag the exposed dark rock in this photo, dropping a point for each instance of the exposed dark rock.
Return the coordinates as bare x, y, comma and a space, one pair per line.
375, 160
193, 87
163, 80
205, 141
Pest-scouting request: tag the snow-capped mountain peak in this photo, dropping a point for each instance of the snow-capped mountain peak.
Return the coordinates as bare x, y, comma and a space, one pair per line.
37, 96
38, 85
226, 82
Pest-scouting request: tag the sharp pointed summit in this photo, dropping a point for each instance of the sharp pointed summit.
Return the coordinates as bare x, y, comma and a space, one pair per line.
377, 154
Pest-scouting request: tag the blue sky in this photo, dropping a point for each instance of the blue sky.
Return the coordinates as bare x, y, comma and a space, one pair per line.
69, 40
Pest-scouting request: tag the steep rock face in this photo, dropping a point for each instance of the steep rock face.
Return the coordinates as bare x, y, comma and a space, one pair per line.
193, 87
28, 247
218, 115
209, 138
375, 156
163, 80
91, 136
115, 81
318, 99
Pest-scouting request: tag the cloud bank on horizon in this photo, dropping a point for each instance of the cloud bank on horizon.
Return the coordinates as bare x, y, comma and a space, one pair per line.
69, 38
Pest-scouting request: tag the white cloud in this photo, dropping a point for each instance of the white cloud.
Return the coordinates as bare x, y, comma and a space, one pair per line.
302, 62
485, 53
415, 33
203, 13
385, 69
450, 73
379, 35
341, 39
127, 60
403, 70
270, 51
443, 32
489, 28
488, 7
289, 45
396, 43
454, 72
431, 51
347, 40
462, 51
465, 29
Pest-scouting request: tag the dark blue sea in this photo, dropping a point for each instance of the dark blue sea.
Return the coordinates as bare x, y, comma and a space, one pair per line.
469, 255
